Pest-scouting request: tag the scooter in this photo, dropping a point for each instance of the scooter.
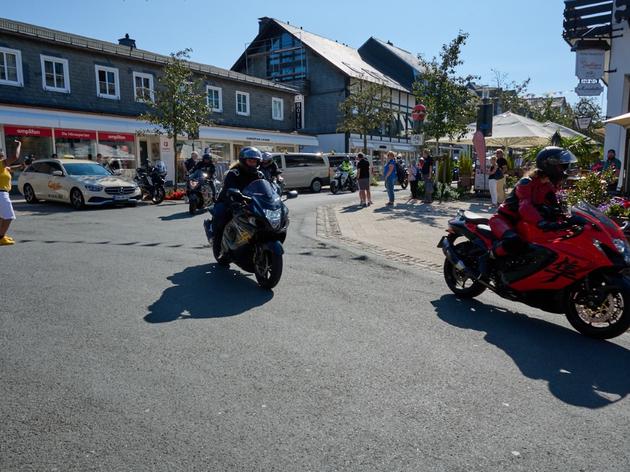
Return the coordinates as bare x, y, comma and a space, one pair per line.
253, 237
343, 181
580, 270
151, 182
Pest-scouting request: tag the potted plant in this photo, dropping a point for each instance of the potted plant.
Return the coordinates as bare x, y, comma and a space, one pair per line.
465, 171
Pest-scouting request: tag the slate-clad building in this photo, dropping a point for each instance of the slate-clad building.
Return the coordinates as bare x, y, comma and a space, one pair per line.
67, 94
325, 71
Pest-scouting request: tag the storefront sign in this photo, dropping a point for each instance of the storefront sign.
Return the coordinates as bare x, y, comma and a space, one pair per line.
589, 89
256, 138
589, 63
103, 136
298, 115
75, 134
27, 131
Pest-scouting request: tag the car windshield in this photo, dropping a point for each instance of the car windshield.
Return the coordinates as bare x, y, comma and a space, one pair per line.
263, 192
79, 168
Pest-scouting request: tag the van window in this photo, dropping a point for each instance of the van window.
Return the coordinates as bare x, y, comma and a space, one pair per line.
302, 160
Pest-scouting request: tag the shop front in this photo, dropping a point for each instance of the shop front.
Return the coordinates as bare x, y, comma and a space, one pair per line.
78, 143
121, 146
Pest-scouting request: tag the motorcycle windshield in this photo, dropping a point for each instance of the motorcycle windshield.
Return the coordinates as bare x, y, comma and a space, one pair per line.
595, 213
264, 193
197, 175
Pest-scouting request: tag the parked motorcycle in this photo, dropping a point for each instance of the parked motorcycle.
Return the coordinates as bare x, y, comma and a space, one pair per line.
200, 191
253, 237
151, 182
343, 181
402, 175
581, 270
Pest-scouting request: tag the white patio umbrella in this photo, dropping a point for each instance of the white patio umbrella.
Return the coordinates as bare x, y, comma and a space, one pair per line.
516, 131
622, 120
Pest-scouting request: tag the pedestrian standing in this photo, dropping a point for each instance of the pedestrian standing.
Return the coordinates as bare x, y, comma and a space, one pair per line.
427, 176
495, 175
412, 177
502, 164
7, 215
389, 171
363, 168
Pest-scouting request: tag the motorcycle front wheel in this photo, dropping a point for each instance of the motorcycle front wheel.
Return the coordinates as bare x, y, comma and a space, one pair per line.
403, 184
158, 195
600, 310
267, 267
334, 188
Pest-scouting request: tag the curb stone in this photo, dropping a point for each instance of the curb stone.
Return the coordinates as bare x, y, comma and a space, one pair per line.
328, 228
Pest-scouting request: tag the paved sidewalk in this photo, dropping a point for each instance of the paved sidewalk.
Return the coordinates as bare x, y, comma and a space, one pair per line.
407, 233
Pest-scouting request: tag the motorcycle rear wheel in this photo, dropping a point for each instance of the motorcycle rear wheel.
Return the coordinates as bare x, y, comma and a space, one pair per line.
459, 282
608, 320
267, 268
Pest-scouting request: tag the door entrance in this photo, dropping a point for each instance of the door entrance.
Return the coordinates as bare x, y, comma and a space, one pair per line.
144, 153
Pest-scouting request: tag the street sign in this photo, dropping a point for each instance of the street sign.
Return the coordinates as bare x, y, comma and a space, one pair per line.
589, 89
583, 122
417, 139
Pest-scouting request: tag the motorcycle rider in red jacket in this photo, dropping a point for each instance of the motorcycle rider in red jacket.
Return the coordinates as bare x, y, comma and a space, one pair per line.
533, 200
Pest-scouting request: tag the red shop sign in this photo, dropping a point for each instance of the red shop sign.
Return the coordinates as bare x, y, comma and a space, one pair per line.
103, 136
27, 131
74, 134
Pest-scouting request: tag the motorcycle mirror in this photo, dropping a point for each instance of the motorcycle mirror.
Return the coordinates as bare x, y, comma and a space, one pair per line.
292, 194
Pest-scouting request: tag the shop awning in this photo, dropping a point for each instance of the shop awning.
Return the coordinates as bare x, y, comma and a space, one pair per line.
384, 145
621, 120
84, 121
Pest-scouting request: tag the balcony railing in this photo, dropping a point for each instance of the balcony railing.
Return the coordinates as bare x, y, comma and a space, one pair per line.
587, 20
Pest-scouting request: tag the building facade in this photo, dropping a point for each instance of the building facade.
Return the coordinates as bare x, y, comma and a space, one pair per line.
66, 94
325, 72
605, 26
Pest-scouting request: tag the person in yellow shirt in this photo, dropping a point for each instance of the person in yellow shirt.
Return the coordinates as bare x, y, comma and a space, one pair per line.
7, 214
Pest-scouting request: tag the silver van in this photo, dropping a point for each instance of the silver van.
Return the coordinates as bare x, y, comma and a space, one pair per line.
303, 170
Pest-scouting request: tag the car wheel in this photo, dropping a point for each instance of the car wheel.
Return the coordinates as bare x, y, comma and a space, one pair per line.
316, 186
76, 199
29, 194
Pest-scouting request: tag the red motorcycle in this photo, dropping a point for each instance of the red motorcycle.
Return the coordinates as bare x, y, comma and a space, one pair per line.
582, 271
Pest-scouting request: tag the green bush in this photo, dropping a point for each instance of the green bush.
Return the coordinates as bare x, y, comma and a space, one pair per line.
465, 166
592, 188
445, 169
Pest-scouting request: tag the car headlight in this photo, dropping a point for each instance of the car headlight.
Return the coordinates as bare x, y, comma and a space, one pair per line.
94, 188
274, 217
622, 246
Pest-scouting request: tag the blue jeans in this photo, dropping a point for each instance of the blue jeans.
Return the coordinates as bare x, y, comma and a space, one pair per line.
389, 185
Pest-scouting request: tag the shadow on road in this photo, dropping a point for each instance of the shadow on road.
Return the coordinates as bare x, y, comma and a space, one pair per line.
207, 291
183, 215
579, 371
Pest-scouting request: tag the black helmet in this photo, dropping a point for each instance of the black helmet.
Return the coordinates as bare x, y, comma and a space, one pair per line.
249, 153
207, 156
555, 162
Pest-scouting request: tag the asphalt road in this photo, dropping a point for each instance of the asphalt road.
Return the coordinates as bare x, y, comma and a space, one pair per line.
123, 347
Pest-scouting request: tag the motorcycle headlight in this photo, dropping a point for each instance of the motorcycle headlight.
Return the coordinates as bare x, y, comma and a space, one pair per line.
274, 217
622, 246
94, 188
194, 183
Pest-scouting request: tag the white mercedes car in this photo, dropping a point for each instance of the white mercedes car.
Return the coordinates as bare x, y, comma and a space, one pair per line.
75, 181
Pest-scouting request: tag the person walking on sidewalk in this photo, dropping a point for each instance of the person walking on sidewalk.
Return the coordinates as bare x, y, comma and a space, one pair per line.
363, 168
7, 215
413, 180
493, 178
389, 172
427, 176
502, 164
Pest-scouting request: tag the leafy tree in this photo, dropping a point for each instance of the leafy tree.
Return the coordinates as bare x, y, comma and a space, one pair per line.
450, 103
180, 104
365, 109
510, 94
548, 112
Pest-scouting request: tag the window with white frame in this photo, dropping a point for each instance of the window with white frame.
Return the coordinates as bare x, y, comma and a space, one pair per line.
242, 103
142, 87
215, 98
11, 67
107, 82
55, 75
277, 108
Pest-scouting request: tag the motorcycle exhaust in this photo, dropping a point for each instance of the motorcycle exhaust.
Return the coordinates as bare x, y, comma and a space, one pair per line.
451, 255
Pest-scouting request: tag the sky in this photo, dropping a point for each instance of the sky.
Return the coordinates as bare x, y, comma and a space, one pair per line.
520, 39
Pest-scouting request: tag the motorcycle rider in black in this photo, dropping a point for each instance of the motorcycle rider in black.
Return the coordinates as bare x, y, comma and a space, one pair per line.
268, 167
206, 165
238, 177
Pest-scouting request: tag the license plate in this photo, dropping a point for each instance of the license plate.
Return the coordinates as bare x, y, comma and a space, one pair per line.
120, 197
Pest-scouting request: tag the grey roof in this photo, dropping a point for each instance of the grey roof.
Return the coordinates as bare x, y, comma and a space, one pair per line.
404, 55
343, 57
105, 47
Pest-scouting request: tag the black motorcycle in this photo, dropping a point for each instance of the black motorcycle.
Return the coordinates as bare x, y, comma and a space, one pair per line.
253, 237
402, 173
151, 182
201, 191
